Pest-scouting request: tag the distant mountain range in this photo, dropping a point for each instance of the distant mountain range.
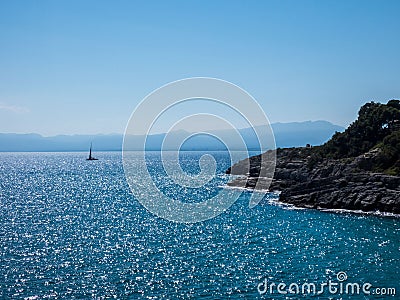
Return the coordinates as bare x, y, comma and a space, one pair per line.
286, 135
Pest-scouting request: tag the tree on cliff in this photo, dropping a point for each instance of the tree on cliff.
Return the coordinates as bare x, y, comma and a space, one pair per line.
375, 122
377, 125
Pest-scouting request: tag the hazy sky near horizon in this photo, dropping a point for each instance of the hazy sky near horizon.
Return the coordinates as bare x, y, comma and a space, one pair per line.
81, 67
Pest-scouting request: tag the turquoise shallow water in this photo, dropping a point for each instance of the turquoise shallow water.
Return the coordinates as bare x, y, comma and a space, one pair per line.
71, 229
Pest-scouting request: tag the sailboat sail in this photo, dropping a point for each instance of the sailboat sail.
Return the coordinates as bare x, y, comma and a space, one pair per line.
90, 154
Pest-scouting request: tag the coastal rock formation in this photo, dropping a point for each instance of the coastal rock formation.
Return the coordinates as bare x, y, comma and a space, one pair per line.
332, 183
328, 177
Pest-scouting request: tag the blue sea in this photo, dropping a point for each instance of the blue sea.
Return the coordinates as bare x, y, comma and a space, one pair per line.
71, 229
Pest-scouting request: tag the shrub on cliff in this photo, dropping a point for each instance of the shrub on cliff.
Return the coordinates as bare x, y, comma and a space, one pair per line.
375, 122
388, 159
377, 125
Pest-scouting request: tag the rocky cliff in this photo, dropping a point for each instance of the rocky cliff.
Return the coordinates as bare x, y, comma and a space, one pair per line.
335, 176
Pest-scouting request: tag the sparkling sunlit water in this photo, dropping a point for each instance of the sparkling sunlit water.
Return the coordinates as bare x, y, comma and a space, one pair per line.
70, 228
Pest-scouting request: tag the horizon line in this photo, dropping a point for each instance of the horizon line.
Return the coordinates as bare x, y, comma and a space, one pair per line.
158, 133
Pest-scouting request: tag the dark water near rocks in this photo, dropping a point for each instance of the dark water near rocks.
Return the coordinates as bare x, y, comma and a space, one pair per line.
70, 229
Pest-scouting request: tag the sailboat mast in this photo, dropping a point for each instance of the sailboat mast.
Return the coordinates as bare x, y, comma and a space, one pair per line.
90, 154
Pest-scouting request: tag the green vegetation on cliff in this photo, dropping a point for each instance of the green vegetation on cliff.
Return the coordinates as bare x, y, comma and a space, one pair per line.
388, 160
377, 128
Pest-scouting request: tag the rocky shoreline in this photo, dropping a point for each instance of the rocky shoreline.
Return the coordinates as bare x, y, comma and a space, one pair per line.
328, 184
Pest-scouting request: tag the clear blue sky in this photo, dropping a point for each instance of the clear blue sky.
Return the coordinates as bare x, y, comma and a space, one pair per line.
82, 66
